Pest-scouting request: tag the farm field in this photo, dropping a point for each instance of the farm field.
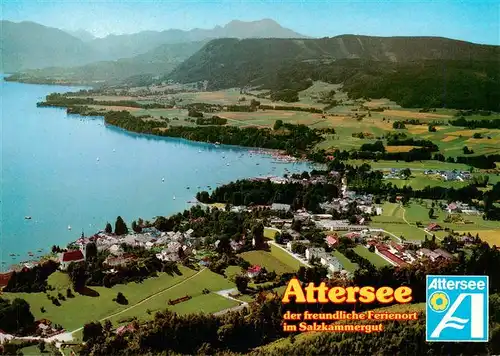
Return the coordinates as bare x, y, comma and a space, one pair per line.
492, 237
348, 117
392, 221
74, 312
371, 256
276, 260
420, 165
419, 181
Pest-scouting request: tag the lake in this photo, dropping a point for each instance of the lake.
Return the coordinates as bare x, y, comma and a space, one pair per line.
66, 170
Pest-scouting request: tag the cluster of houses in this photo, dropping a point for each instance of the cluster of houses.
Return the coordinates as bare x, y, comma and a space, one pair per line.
364, 202
332, 264
450, 175
459, 207
400, 254
394, 173
167, 244
283, 180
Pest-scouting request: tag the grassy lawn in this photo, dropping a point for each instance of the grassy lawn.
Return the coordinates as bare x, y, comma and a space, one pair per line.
347, 263
206, 303
269, 233
33, 351
392, 220
419, 181
276, 260
285, 258
74, 312
371, 256
232, 271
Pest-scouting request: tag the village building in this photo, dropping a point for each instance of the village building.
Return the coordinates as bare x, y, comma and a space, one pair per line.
280, 207
5, 278
384, 251
254, 271
68, 257
444, 254
119, 261
331, 263
425, 252
125, 328
332, 240
433, 227
314, 252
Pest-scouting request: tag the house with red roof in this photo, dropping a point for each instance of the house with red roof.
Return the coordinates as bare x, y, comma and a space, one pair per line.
125, 328
398, 247
332, 240
452, 208
254, 271
433, 227
383, 251
68, 257
5, 278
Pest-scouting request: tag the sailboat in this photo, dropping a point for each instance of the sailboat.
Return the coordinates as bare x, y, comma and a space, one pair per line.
69, 227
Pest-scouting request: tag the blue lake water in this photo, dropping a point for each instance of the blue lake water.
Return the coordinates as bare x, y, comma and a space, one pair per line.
65, 170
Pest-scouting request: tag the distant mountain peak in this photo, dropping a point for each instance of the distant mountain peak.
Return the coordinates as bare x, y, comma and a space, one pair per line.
264, 28
81, 34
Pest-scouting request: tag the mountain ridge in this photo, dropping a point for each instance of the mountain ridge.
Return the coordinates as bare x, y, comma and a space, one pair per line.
233, 62
29, 45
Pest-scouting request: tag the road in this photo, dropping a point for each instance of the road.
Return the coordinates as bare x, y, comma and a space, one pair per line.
226, 294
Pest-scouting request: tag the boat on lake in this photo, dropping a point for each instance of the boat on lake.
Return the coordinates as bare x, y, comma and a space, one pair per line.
27, 217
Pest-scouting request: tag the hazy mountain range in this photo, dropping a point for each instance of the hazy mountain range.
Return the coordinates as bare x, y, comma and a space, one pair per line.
27, 45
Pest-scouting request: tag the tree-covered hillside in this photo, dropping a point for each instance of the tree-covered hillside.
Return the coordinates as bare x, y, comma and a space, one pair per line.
414, 71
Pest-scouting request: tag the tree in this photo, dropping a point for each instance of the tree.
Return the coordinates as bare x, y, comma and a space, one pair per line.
108, 229
371, 248
135, 227
277, 238
258, 234
241, 283
278, 124
120, 226
431, 213
120, 299
406, 173
467, 150
297, 225
92, 331
90, 251
41, 346
69, 294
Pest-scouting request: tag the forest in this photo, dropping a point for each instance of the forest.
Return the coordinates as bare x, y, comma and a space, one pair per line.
245, 192
294, 138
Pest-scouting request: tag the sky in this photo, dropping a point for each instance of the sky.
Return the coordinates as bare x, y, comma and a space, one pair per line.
475, 21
